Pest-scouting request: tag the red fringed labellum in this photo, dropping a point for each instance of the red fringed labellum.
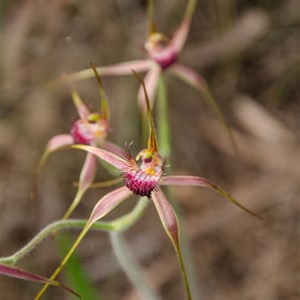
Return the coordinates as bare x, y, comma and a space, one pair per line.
86, 132
144, 179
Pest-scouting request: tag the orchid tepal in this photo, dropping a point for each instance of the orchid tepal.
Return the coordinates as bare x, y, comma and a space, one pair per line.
143, 176
162, 55
11, 271
90, 129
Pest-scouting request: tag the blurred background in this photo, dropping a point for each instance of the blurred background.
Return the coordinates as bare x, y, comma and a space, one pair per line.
248, 51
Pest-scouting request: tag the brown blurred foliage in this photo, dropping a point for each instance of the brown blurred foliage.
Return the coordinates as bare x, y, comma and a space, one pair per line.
249, 53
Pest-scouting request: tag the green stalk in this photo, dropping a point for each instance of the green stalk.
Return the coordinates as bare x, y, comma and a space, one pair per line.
184, 272
75, 272
131, 267
163, 118
119, 224
163, 131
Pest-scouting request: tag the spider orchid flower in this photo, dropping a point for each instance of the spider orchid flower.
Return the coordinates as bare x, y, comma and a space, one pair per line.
162, 55
89, 129
11, 271
143, 176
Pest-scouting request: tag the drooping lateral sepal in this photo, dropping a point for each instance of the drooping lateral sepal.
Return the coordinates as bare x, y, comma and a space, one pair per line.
86, 178
56, 143
18, 273
119, 69
202, 182
170, 223
197, 82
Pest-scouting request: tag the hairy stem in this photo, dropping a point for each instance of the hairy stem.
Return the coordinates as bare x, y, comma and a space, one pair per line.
119, 224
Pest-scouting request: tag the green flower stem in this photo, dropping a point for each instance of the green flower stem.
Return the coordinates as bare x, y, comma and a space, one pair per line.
163, 118
164, 149
190, 9
184, 273
131, 267
119, 224
74, 204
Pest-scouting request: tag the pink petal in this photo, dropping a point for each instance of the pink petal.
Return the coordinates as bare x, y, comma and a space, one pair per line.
170, 222
88, 172
167, 216
81, 108
181, 33
151, 81
107, 156
55, 143
59, 141
198, 82
124, 68
189, 76
202, 182
11, 271
185, 180
111, 147
108, 203
85, 181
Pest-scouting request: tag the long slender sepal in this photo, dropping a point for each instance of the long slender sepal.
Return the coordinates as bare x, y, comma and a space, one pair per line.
181, 33
120, 69
85, 180
151, 81
104, 106
18, 273
87, 173
152, 141
112, 147
202, 182
107, 156
170, 223
199, 83
82, 109
105, 205
56, 143
150, 18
